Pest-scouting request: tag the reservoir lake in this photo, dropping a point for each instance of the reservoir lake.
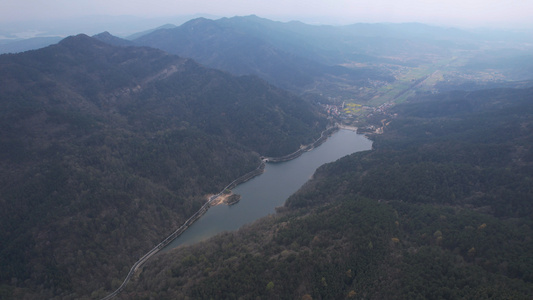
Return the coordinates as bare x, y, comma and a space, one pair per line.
262, 194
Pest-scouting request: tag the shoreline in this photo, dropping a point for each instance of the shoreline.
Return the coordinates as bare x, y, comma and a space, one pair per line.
323, 137
213, 200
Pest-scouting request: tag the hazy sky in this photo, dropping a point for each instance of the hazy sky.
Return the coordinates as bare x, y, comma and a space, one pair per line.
450, 12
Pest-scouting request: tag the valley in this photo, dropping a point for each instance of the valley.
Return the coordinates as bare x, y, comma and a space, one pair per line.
107, 145
431, 212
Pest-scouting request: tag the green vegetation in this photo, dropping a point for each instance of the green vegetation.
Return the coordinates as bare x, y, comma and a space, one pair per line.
104, 151
352, 108
439, 210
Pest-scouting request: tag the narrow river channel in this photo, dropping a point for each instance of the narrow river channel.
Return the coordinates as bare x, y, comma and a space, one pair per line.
262, 194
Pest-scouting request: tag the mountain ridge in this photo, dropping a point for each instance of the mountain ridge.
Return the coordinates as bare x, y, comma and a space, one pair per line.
247, 45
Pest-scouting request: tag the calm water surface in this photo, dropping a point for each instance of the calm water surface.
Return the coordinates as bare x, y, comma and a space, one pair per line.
262, 194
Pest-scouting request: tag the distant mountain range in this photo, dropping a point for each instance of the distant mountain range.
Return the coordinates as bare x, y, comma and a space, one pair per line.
253, 46
332, 62
104, 150
324, 44
336, 62
297, 56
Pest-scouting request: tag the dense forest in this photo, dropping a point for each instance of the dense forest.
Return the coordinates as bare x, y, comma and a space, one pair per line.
440, 209
106, 150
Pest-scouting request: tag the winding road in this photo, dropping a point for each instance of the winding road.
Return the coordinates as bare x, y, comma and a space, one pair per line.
206, 206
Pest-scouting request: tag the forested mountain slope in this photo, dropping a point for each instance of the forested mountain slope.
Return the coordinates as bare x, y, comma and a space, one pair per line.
440, 209
106, 150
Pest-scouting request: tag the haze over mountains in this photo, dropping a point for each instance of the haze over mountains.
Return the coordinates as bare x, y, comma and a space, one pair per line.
347, 62
107, 145
277, 52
